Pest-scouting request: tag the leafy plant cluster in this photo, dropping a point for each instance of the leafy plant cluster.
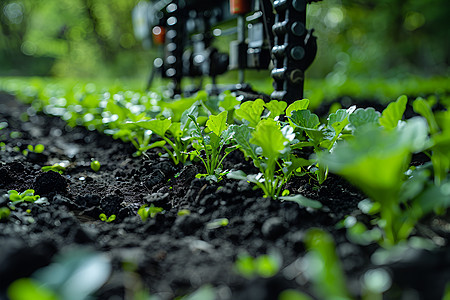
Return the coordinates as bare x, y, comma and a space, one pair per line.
371, 149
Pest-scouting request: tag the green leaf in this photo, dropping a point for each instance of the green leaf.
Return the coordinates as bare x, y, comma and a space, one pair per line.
268, 136
338, 120
156, 144
308, 122
363, 117
302, 201
422, 107
276, 108
29, 289
266, 266
250, 111
293, 295
217, 223
229, 101
376, 159
297, 105
205, 292
238, 175
217, 124
305, 119
39, 148
245, 265
178, 107
325, 268
393, 113
440, 156
242, 136
185, 121
440, 196
118, 110
158, 126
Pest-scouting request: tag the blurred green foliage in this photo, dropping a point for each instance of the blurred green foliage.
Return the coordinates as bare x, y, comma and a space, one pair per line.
73, 38
94, 38
380, 38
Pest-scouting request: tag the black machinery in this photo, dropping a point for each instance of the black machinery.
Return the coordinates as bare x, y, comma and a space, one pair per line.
269, 34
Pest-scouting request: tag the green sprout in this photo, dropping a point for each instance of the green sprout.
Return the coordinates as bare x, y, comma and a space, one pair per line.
184, 212
58, 167
264, 265
149, 211
95, 165
106, 219
39, 148
27, 196
212, 144
4, 213
217, 223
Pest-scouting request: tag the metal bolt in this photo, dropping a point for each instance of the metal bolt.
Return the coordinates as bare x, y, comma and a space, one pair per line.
158, 62
171, 72
171, 8
297, 53
171, 59
172, 21
298, 28
299, 5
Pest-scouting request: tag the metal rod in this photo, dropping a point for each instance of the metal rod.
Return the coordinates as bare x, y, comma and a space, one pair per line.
241, 40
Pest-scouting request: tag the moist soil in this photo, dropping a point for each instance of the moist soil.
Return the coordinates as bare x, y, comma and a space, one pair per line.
174, 255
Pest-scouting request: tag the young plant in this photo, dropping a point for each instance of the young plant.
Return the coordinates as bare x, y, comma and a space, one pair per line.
27, 196
375, 160
324, 267
217, 223
119, 121
58, 167
106, 219
5, 212
174, 134
251, 112
151, 211
265, 266
212, 144
95, 165
39, 148
268, 146
311, 133
439, 151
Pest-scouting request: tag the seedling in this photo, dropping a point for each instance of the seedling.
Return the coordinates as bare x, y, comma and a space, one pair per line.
212, 144
317, 135
149, 211
264, 265
375, 161
174, 134
58, 167
440, 138
323, 267
39, 148
184, 212
222, 222
106, 219
27, 196
95, 165
266, 145
4, 213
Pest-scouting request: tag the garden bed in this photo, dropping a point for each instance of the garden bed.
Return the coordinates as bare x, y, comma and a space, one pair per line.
187, 246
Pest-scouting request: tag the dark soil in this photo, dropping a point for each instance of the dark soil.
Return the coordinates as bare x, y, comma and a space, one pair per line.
175, 255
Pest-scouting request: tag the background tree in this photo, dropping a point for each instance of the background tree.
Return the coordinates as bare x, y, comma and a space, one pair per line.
94, 38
